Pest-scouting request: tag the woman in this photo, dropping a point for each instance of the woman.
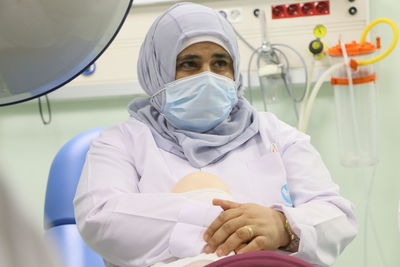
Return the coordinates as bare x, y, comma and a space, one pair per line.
196, 119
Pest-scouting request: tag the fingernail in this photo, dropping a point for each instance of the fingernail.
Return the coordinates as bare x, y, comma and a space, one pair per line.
206, 237
207, 249
219, 252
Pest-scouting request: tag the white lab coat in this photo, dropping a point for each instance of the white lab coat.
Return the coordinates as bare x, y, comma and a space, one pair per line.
125, 211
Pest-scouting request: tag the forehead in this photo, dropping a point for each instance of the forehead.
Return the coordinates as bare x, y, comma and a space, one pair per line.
203, 49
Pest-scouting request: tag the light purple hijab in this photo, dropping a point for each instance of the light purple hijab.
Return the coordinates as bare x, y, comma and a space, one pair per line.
156, 68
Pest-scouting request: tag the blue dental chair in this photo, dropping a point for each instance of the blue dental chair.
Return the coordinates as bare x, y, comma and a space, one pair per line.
59, 211
61, 227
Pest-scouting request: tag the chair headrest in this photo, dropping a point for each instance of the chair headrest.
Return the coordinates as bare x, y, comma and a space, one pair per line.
63, 179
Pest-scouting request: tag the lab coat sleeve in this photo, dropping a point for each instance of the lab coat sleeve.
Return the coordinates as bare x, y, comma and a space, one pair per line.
129, 228
322, 219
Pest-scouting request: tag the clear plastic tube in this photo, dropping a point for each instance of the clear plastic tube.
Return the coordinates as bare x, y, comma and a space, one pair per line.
256, 51
306, 94
263, 22
367, 215
303, 62
355, 132
271, 49
310, 102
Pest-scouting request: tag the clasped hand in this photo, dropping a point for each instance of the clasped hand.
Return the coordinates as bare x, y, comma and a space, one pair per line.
245, 227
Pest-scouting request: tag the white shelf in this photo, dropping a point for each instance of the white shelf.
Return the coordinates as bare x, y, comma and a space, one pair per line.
152, 2
74, 91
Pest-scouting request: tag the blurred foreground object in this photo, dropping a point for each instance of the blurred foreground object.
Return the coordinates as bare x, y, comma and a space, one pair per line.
20, 243
45, 44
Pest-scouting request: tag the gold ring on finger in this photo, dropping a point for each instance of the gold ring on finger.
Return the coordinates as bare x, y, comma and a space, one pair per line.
250, 230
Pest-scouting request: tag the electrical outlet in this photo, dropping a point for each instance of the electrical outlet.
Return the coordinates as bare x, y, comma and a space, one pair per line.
234, 15
300, 9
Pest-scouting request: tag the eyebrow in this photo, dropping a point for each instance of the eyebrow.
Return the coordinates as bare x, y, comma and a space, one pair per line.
188, 57
221, 55
193, 56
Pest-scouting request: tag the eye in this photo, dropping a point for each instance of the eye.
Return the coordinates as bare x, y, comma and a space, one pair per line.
221, 63
187, 65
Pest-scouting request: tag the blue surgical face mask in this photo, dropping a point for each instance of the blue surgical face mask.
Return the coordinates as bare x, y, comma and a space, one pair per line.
199, 102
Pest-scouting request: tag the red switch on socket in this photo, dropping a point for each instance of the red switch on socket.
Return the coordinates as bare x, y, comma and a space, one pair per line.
322, 7
308, 9
293, 10
278, 11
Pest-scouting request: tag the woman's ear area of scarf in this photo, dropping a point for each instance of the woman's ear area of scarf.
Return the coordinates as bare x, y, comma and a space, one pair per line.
202, 57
